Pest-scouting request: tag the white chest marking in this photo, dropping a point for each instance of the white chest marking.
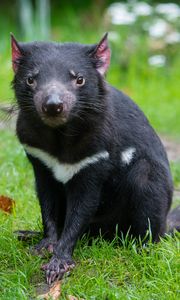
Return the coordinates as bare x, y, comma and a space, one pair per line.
127, 155
63, 172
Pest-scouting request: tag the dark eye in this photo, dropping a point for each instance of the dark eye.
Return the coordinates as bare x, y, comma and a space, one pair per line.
80, 81
30, 81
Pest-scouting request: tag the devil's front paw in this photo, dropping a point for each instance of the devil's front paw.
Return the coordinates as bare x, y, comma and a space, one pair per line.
57, 267
45, 244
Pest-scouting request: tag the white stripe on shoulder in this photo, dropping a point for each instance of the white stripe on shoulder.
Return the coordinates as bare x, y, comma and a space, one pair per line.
63, 172
127, 155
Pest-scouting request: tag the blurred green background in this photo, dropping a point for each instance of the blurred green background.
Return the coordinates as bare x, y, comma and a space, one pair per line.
144, 38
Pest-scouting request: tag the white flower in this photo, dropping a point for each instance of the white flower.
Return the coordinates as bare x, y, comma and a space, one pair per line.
120, 15
113, 36
173, 37
158, 29
142, 9
157, 60
170, 10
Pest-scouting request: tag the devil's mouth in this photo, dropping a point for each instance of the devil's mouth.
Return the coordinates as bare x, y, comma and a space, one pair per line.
54, 121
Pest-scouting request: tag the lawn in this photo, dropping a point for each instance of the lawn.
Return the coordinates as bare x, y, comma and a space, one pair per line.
105, 271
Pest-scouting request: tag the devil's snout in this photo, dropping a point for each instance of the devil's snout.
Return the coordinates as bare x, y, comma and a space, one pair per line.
53, 105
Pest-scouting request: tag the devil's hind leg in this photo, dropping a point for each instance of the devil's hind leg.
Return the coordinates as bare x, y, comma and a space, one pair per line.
150, 194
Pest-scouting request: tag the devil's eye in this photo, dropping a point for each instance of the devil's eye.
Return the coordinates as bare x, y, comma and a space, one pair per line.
80, 81
30, 81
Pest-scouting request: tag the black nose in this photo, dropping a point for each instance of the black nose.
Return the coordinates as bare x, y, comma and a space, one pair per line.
53, 105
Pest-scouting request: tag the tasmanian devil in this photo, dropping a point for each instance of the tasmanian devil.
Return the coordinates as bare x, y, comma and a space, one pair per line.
98, 164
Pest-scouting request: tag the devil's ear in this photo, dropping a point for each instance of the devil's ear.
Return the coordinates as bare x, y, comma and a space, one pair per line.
102, 55
16, 53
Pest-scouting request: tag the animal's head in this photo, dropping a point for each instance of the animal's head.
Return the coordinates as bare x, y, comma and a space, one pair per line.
58, 82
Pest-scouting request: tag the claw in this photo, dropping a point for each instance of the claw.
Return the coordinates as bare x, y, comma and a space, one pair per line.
44, 245
50, 248
53, 276
44, 267
56, 268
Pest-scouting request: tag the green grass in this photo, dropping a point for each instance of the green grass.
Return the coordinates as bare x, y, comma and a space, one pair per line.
104, 270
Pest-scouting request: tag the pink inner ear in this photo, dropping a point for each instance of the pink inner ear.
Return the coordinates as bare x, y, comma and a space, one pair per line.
103, 53
16, 54
102, 46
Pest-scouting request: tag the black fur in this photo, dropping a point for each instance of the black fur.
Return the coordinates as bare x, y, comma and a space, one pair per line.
136, 196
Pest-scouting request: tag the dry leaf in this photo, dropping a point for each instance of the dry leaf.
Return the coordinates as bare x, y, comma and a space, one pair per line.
54, 292
6, 204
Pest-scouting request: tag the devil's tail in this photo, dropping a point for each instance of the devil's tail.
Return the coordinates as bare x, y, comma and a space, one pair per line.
173, 220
